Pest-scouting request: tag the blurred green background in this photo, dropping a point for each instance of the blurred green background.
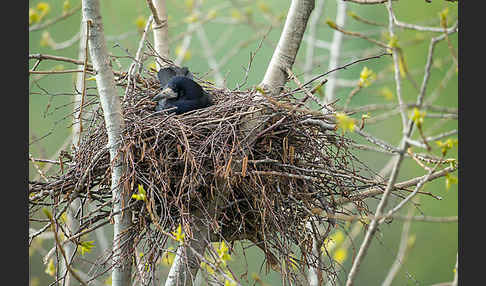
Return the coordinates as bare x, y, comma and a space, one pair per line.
433, 255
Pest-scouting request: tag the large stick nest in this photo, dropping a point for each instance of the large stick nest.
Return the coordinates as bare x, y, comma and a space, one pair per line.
262, 170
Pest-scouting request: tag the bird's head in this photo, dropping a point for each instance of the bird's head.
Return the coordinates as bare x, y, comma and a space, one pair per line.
180, 87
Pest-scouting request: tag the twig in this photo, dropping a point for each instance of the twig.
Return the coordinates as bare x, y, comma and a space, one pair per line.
378, 142
363, 20
137, 65
420, 28
55, 20
336, 27
59, 71
428, 64
339, 68
252, 56
456, 272
83, 79
208, 52
396, 65
367, 1
311, 38
335, 51
402, 249
65, 44
307, 92
429, 219
61, 249
68, 60
37, 168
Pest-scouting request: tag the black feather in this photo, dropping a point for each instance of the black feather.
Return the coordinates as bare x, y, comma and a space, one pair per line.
167, 73
190, 96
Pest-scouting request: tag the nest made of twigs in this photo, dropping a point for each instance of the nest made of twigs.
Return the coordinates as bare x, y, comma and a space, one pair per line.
261, 170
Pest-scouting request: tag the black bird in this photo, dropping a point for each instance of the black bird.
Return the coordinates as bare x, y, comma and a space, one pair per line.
179, 90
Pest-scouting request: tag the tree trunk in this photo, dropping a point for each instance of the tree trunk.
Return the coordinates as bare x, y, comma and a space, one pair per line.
288, 45
110, 103
160, 30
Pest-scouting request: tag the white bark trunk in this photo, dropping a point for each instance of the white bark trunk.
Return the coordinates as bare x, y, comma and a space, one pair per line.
288, 45
110, 102
283, 57
160, 30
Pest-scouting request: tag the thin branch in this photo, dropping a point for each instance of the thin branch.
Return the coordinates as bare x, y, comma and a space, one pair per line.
65, 44
59, 71
402, 249
60, 248
46, 24
341, 67
456, 272
428, 219
78, 116
208, 52
405, 184
311, 38
367, 1
336, 27
335, 51
136, 65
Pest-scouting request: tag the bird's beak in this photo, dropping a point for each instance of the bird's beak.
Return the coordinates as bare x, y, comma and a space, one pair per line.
167, 93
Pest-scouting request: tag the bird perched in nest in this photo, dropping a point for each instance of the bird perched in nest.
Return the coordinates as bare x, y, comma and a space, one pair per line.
179, 90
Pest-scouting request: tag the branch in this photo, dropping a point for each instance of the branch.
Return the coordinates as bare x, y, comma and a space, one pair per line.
367, 1
73, 223
208, 52
402, 250
456, 268
41, 57
311, 38
412, 182
429, 219
46, 24
58, 71
335, 51
136, 65
341, 67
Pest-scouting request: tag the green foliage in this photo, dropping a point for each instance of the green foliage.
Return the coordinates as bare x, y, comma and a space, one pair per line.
141, 195
86, 246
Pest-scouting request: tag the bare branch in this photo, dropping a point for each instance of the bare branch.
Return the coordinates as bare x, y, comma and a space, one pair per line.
46, 24
335, 51
367, 1
402, 249
405, 184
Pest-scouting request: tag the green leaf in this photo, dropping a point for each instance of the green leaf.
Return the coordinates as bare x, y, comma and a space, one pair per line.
86, 246
344, 122
141, 195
